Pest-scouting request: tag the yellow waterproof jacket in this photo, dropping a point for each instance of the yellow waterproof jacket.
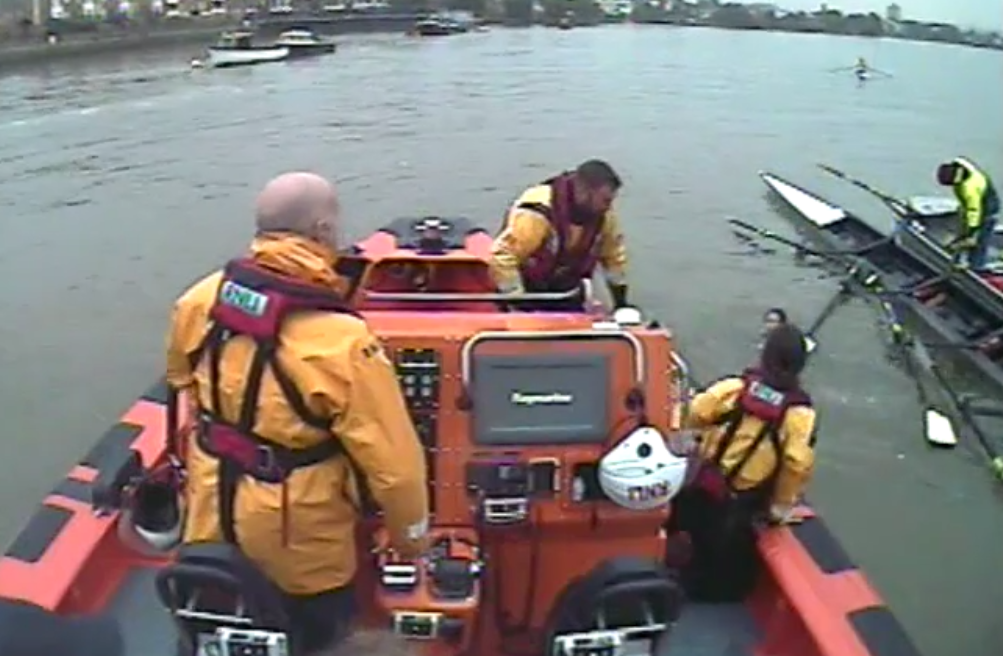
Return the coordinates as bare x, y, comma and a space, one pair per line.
525, 231
307, 545
711, 406
977, 197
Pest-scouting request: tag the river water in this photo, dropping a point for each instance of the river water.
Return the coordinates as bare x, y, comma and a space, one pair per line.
125, 179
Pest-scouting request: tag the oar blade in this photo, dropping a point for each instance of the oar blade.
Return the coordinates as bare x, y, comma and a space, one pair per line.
939, 431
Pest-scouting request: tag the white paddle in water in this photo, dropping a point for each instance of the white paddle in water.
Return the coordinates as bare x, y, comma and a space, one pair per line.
937, 428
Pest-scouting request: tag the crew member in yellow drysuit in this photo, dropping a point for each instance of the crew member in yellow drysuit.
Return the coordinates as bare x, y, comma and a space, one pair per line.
757, 455
282, 449
557, 232
979, 210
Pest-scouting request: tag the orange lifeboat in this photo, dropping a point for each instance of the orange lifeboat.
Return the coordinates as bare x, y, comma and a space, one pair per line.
529, 556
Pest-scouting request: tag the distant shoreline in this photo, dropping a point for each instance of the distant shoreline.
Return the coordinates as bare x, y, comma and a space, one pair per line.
25, 53
890, 37
828, 22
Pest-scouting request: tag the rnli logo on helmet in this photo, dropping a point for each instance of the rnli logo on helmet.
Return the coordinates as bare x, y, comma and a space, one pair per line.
648, 492
551, 398
244, 299
766, 394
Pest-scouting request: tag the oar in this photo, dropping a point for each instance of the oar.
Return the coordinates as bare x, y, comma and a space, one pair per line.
831, 255
842, 295
772, 236
937, 427
942, 435
963, 409
976, 345
969, 412
901, 208
835, 302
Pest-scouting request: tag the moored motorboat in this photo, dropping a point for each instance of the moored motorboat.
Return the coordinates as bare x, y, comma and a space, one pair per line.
238, 49
512, 485
960, 307
304, 43
438, 26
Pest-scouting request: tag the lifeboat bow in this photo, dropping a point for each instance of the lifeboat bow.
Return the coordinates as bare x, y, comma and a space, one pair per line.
546, 422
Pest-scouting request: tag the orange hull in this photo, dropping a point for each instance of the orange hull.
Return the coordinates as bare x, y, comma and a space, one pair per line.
812, 601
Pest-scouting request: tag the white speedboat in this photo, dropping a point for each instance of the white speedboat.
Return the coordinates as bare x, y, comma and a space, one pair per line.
238, 49
304, 43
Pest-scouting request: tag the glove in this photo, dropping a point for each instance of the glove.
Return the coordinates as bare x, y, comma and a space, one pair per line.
618, 294
785, 515
962, 244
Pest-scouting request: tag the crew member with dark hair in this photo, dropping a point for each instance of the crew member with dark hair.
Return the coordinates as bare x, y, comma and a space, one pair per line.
771, 319
978, 213
295, 398
757, 456
557, 232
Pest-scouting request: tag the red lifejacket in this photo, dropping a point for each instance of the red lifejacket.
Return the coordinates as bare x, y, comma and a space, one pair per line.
556, 265
253, 301
756, 399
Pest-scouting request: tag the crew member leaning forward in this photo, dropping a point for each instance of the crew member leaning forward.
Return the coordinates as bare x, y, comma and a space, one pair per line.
326, 405
979, 208
557, 232
757, 456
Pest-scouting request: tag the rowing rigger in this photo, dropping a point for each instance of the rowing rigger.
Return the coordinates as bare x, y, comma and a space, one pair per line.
938, 428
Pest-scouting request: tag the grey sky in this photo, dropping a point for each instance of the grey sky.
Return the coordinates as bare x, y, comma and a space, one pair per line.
985, 14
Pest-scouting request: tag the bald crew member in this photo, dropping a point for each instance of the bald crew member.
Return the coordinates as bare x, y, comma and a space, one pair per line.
296, 398
558, 231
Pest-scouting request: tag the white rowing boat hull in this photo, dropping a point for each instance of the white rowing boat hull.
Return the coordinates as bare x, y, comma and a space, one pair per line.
812, 208
226, 57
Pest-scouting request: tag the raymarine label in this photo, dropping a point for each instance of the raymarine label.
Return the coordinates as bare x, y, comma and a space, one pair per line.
551, 398
244, 299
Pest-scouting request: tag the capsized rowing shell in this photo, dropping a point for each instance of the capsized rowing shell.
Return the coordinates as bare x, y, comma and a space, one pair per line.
426, 289
959, 308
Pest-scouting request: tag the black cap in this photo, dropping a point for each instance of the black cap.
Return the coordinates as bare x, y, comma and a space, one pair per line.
29, 630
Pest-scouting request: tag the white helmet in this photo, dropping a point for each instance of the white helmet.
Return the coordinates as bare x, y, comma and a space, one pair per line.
641, 473
151, 521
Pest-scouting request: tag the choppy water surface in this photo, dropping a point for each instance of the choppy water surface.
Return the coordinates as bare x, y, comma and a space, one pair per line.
123, 182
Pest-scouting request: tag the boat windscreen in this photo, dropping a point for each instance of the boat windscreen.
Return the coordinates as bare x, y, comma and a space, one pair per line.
540, 399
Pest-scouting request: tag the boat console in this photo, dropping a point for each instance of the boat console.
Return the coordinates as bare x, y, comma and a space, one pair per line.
515, 410
438, 597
